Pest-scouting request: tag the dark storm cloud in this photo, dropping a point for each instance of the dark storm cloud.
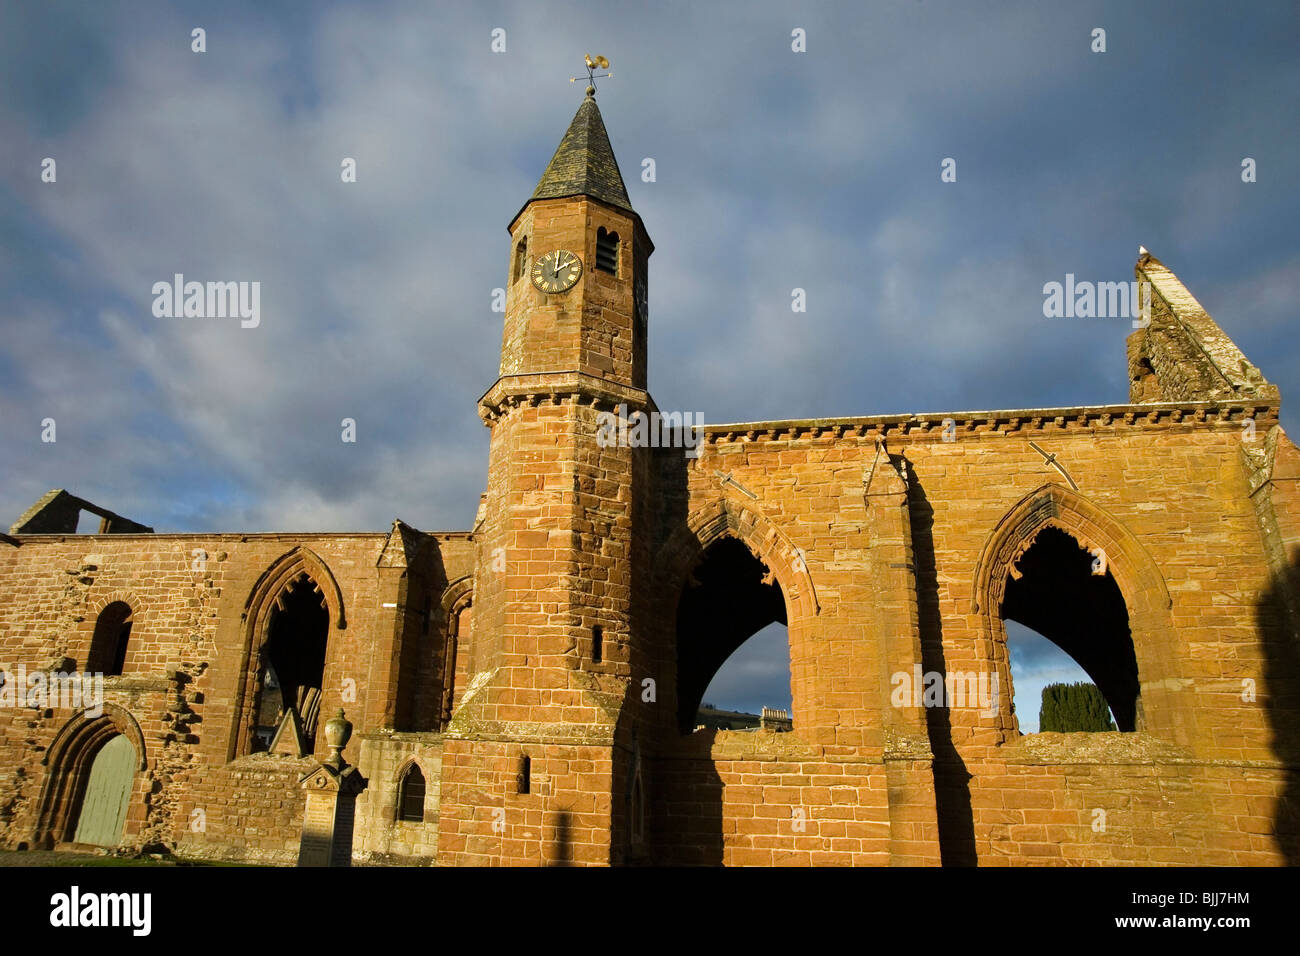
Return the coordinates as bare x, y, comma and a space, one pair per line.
775, 170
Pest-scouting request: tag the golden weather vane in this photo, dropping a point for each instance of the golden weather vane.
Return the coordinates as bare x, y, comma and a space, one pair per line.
594, 63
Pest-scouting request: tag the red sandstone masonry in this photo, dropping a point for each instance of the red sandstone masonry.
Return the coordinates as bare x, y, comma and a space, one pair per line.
891, 539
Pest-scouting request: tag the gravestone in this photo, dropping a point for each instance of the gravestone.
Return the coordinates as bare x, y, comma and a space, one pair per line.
330, 810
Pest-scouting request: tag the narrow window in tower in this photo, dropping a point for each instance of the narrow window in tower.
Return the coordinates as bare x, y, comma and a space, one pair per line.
521, 259
607, 251
523, 777
597, 645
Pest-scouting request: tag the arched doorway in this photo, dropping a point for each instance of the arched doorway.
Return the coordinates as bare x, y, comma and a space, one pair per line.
107, 795
91, 769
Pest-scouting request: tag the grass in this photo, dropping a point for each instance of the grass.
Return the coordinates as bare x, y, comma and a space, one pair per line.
49, 858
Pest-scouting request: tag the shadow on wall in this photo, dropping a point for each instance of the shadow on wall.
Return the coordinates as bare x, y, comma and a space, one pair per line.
686, 819
1278, 619
951, 778
730, 596
562, 848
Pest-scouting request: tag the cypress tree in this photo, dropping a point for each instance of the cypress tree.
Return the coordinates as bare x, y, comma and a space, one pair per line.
1073, 708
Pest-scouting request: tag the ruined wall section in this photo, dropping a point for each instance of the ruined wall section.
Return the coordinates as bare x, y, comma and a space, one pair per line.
185, 666
851, 784
381, 836
1182, 355
1206, 780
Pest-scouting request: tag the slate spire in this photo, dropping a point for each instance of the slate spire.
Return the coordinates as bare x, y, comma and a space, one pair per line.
584, 164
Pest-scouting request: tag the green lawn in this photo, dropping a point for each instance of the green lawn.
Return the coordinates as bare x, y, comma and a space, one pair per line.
48, 858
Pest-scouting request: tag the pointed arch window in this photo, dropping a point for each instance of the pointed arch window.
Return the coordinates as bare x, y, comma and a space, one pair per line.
292, 663
410, 795
730, 599
1065, 593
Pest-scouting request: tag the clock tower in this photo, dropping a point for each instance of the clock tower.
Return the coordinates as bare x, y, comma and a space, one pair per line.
576, 293
540, 729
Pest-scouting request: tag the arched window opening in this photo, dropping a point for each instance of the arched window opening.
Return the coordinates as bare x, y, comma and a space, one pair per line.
456, 663
731, 601
1036, 665
521, 258
293, 663
1067, 594
410, 795
108, 645
607, 251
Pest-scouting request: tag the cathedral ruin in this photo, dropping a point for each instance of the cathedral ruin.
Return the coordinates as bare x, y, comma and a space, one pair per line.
525, 691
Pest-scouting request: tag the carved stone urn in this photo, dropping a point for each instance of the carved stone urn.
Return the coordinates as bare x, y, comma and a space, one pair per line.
338, 730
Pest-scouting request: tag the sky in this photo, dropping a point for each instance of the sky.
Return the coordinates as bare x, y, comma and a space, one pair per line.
757, 675
774, 170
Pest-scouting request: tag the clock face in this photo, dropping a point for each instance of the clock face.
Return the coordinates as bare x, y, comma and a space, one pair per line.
556, 271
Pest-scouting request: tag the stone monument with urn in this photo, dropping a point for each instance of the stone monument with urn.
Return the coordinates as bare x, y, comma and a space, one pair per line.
330, 810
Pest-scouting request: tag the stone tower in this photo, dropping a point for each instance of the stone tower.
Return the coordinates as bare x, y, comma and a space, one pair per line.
529, 765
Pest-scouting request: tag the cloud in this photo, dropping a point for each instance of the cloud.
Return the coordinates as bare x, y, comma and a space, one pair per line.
756, 675
1035, 663
775, 170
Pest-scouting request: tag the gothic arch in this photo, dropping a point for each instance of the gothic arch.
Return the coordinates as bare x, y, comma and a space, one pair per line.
286, 568
401, 793
725, 517
1053, 505
68, 763
73, 734
268, 593
457, 596
689, 547
1142, 586
405, 766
